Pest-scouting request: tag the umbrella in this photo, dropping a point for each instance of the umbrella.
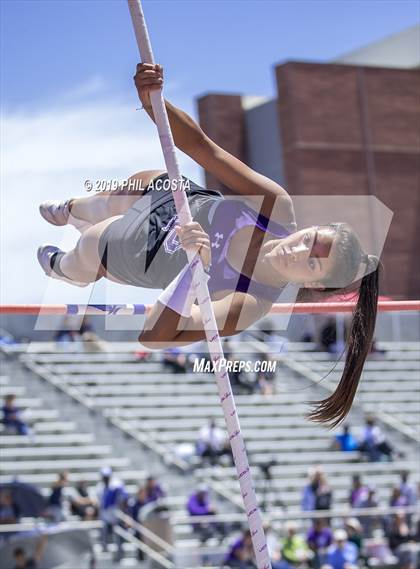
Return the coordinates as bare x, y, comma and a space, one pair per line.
28, 498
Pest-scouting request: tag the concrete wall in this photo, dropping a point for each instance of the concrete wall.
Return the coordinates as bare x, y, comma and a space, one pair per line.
263, 142
401, 50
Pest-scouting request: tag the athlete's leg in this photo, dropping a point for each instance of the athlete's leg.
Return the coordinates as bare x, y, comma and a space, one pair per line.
83, 263
104, 205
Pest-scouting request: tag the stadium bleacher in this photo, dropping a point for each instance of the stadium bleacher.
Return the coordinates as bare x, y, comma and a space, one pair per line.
163, 413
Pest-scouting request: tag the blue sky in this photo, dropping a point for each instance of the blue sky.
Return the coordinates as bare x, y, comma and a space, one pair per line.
48, 46
68, 101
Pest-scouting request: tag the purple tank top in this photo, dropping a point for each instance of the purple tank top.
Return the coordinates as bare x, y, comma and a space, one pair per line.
229, 216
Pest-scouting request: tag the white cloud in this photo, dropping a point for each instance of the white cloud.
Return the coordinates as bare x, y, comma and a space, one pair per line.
93, 86
47, 155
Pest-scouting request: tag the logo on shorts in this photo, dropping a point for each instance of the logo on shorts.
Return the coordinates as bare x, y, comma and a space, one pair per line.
171, 243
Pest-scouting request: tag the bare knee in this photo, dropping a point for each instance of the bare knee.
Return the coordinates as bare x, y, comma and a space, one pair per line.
87, 246
84, 260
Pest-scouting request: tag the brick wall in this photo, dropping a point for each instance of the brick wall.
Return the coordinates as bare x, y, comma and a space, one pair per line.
222, 119
345, 130
351, 130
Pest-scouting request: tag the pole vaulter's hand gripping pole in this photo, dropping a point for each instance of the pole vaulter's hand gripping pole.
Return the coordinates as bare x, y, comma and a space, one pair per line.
201, 289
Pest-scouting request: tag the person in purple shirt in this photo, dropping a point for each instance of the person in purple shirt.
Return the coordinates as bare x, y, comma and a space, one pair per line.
358, 492
153, 490
240, 554
369, 523
319, 538
407, 489
199, 505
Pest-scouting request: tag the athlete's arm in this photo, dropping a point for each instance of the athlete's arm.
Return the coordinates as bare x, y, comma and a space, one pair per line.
186, 132
234, 313
191, 139
268, 196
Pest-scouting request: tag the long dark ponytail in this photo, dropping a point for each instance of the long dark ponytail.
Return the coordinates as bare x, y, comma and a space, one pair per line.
334, 408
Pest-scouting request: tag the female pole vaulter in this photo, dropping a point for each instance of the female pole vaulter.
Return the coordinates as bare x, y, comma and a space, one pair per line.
250, 247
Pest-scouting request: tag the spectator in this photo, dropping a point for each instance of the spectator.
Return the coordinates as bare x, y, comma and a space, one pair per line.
275, 343
91, 341
307, 337
294, 549
358, 493
229, 357
241, 554
137, 503
175, 360
369, 523
397, 498
6, 339
82, 504
274, 549
354, 532
345, 442
142, 356
378, 552
153, 490
55, 507
266, 379
9, 511
371, 500
328, 337
227, 348
317, 494
199, 505
86, 327
212, 443
111, 494
273, 543
343, 554
374, 444
135, 506
65, 333
319, 538
24, 562
402, 542
242, 381
407, 490
12, 416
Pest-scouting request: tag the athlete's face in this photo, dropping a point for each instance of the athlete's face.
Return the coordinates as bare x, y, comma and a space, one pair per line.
304, 257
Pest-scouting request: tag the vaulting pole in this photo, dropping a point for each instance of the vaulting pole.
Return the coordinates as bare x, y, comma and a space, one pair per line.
201, 289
